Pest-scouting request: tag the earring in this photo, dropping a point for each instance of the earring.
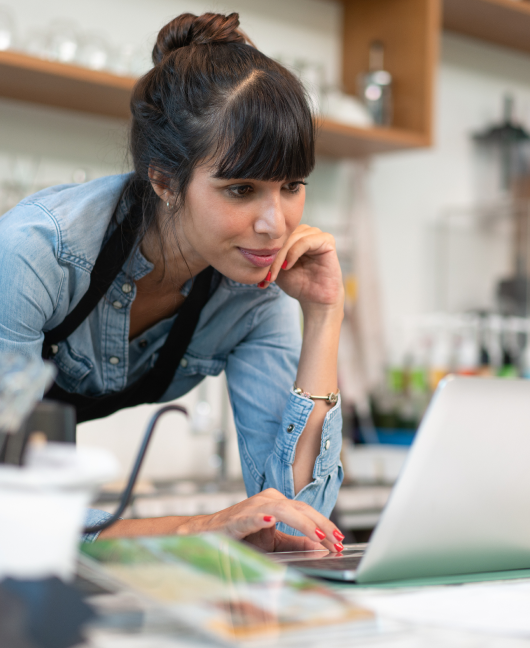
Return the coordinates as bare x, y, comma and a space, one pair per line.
167, 204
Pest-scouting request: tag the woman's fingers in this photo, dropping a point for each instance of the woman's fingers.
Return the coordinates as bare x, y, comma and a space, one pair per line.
281, 262
290, 253
313, 244
264, 510
303, 518
312, 524
244, 524
285, 542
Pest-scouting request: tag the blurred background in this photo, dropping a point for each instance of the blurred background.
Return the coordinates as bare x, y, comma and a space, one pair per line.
423, 176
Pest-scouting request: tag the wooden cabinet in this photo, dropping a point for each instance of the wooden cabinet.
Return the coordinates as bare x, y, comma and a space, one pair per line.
410, 31
503, 22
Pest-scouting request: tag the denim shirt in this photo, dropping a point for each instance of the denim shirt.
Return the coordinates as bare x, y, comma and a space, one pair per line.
48, 246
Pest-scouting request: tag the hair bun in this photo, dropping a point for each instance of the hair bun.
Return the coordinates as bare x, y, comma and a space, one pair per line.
188, 29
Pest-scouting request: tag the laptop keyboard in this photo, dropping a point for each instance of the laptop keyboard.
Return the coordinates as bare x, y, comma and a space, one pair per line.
340, 563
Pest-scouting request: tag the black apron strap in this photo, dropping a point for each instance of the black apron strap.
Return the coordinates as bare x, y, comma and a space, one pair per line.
107, 267
150, 387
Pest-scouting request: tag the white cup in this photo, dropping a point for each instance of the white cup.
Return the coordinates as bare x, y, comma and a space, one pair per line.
43, 507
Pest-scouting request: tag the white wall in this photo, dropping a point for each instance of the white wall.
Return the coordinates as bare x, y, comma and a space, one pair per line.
410, 190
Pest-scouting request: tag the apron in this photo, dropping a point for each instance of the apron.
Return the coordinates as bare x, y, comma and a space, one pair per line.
154, 383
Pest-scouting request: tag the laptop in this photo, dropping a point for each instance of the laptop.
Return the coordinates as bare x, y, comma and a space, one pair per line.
461, 504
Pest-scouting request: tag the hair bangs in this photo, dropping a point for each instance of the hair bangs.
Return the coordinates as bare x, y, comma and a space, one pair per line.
265, 132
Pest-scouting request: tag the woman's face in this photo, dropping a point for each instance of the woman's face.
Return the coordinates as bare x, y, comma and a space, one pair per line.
239, 226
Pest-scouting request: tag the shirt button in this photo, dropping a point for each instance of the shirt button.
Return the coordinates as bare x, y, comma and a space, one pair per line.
327, 444
114, 360
117, 305
142, 344
54, 349
183, 362
127, 288
290, 428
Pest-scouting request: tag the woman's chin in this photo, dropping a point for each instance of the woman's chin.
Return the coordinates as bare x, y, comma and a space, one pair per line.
247, 278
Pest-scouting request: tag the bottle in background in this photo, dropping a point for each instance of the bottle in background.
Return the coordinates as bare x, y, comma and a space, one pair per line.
375, 86
468, 354
485, 369
508, 368
494, 343
525, 359
440, 360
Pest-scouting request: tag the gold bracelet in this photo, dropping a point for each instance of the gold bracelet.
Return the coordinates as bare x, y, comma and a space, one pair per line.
331, 398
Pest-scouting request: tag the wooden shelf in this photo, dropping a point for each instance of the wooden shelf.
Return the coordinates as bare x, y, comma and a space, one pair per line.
503, 22
410, 31
340, 140
75, 88
64, 86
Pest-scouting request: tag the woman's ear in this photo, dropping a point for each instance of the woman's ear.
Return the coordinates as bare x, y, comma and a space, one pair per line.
160, 183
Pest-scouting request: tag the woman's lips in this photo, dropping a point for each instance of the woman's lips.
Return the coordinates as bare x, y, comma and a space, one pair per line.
260, 258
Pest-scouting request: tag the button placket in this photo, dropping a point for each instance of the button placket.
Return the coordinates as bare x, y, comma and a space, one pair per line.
116, 342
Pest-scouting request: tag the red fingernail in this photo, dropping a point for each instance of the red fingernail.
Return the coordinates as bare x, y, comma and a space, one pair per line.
267, 518
284, 264
339, 546
268, 277
261, 284
320, 534
338, 535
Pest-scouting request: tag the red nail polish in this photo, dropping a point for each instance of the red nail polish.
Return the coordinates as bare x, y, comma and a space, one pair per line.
320, 534
339, 546
284, 264
268, 277
261, 284
340, 537
267, 518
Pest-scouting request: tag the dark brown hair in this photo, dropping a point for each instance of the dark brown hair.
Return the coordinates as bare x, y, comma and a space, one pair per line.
212, 96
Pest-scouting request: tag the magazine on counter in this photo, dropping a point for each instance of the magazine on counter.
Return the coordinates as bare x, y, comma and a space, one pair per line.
223, 587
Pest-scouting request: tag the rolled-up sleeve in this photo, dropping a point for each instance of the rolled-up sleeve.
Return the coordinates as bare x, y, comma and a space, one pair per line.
270, 417
93, 517
322, 492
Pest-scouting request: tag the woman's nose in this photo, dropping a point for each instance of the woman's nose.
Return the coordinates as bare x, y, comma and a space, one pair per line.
271, 219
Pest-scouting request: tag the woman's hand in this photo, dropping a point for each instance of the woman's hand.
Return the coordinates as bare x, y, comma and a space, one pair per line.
254, 520
307, 268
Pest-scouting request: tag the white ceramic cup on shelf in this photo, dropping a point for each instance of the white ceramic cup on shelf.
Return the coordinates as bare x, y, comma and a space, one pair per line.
43, 506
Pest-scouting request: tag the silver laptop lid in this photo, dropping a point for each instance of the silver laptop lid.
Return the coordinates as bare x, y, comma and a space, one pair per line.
462, 502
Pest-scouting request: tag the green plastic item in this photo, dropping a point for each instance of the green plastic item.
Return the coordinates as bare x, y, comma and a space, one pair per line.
396, 380
508, 371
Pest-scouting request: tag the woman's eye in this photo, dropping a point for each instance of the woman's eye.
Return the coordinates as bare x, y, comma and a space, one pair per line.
294, 187
240, 190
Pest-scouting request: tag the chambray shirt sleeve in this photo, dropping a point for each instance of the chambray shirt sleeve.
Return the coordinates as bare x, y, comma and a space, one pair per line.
31, 279
92, 517
270, 417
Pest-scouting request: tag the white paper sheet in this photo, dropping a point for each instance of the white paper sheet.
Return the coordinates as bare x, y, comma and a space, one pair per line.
499, 608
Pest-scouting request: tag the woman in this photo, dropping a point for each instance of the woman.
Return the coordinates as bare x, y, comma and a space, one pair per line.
137, 286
